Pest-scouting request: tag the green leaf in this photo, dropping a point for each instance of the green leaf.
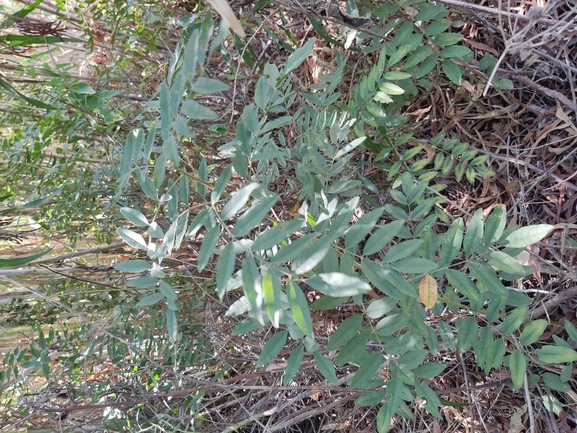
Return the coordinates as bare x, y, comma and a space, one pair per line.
150, 300
337, 284
253, 216
380, 307
446, 39
402, 250
293, 364
34, 102
437, 27
133, 239
370, 399
208, 246
224, 268
325, 367
466, 333
464, 285
133, 266
518, 367
382, 237
252, 282
220, 185
526, 236
272, 289
247, 325
365, 375
276, 124
362, 227
495, 225
271, 237
193, 110
453, 73
553, 381
172, 325
390, 88
451, 246
8, 263
455, 51
555, 355
238, 201
514, 320
488, 278
430, 11
289, 252
474, 234
414, 265
505, 262
203, 175
313, 254
272, 348
297, 58
143, 282
388, 325
495, 353
300, 309
399, 54
532, 331
429, 370
345, 332
207, 86
569, 327
418, 56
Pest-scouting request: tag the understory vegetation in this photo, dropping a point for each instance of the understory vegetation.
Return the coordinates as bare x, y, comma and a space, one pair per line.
360, 216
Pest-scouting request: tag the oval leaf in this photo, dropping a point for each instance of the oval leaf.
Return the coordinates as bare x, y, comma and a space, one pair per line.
428, 291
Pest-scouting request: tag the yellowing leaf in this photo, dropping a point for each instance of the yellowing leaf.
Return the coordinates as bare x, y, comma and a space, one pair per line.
428, 291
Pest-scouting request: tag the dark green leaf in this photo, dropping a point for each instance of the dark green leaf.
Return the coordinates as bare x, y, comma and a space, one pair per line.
272, 348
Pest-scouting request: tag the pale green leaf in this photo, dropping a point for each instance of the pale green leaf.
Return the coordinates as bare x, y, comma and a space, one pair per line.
272, 290
207, 86
172, 325
132, 238
253, 216
505, 262
193, 110
150, 300
514, 320
134, 216
133, 266
337, 284
238, 201
526, 236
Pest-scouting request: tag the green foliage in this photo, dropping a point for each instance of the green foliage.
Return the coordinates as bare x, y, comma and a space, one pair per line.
262, 263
